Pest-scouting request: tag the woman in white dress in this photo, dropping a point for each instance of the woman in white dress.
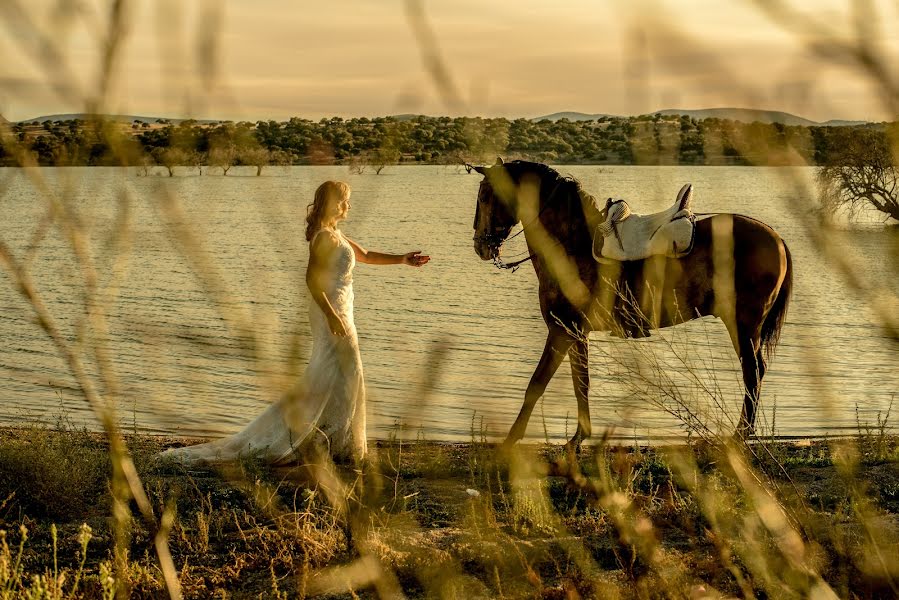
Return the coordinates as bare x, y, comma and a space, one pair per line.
328, 404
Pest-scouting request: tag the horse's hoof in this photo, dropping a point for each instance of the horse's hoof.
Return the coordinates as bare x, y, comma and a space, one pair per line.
508, 445
573, 448
742, 434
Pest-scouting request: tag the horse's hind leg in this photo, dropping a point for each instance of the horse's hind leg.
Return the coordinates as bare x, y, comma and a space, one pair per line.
753, 366
578, 357
753, 372
557, 345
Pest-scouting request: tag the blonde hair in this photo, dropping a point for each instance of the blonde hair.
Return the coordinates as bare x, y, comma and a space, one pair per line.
316, 210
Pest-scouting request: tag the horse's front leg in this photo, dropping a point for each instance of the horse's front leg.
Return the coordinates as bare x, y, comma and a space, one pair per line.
578, 357
557, 344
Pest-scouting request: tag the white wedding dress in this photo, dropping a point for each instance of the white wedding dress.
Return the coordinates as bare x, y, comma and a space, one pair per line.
328, 403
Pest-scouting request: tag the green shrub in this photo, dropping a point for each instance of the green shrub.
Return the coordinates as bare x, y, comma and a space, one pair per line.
50, 474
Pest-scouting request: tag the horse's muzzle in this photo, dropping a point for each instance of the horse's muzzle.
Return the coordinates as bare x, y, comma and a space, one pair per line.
487, 246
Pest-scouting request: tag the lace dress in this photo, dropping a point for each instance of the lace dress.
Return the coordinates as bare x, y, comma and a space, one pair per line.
328, 403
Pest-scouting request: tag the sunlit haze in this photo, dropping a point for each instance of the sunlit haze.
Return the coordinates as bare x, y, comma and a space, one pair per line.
275, 59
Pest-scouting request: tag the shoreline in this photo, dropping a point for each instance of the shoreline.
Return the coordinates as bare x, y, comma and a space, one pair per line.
159, 171
612, 441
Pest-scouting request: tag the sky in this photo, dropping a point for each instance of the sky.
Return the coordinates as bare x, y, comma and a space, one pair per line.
276, 59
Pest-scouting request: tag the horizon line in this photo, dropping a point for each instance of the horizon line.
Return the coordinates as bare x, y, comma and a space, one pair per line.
412, 114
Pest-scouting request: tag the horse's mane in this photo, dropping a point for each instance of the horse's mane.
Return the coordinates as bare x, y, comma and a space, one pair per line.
519, 167
552, 182
547, 175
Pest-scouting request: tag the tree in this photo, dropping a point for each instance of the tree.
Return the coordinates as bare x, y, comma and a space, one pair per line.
357, 163
859, 173
170, 158
49, 149
197, 160
256, 156
388, 154
280, 158
223, 156
144, 162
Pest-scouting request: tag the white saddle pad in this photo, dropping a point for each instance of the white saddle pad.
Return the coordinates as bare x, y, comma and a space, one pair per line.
628, 236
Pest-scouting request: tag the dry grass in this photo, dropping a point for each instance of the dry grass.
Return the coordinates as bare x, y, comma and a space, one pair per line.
461, 520
92, 515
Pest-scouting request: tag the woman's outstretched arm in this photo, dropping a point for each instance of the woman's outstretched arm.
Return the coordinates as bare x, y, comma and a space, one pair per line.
370, 257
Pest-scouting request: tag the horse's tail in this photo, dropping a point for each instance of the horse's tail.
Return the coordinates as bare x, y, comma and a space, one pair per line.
774, 320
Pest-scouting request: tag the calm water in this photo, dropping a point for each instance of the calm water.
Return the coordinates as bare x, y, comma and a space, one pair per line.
471, 330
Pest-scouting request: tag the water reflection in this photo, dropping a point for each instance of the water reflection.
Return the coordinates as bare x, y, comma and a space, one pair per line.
184, 371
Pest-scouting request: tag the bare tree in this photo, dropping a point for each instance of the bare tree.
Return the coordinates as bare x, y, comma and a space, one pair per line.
387, 154
377, 159
143, 164
197, 160
224, 156
860, 173
356, 164
256, 156
170, 158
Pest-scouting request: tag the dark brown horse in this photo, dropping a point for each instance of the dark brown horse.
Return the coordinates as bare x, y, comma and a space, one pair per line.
739, 270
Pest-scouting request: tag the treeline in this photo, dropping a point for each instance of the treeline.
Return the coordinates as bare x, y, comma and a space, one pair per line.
374, 143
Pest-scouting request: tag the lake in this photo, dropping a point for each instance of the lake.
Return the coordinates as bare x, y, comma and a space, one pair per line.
447, 349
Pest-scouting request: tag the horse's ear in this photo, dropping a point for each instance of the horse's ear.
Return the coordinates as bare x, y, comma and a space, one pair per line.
499, 161
481, 170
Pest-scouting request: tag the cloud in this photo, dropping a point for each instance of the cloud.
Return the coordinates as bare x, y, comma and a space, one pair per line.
278, 59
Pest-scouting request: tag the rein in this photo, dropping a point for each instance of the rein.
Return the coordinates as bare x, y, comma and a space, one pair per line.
498, 261
499, 264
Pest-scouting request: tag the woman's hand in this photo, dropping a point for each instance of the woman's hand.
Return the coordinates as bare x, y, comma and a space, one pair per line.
415, 259
337, 326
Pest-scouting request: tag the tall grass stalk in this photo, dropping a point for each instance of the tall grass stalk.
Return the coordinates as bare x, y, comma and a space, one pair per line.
709, 518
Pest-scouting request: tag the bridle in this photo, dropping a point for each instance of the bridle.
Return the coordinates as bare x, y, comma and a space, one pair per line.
501, 239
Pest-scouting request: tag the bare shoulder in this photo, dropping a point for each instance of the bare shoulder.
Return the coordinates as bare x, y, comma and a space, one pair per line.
324, 242
352, 242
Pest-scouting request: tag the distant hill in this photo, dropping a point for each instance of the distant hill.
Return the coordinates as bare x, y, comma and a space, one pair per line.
841, 123
749, 115
640, 140
119, 118
407, 117
745, 115
571, 116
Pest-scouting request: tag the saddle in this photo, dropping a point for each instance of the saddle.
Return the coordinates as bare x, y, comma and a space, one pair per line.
625, 235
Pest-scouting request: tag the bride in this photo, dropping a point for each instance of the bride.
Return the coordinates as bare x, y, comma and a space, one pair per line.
328, 403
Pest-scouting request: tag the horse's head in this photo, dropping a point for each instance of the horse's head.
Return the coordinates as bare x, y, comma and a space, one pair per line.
495, 213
